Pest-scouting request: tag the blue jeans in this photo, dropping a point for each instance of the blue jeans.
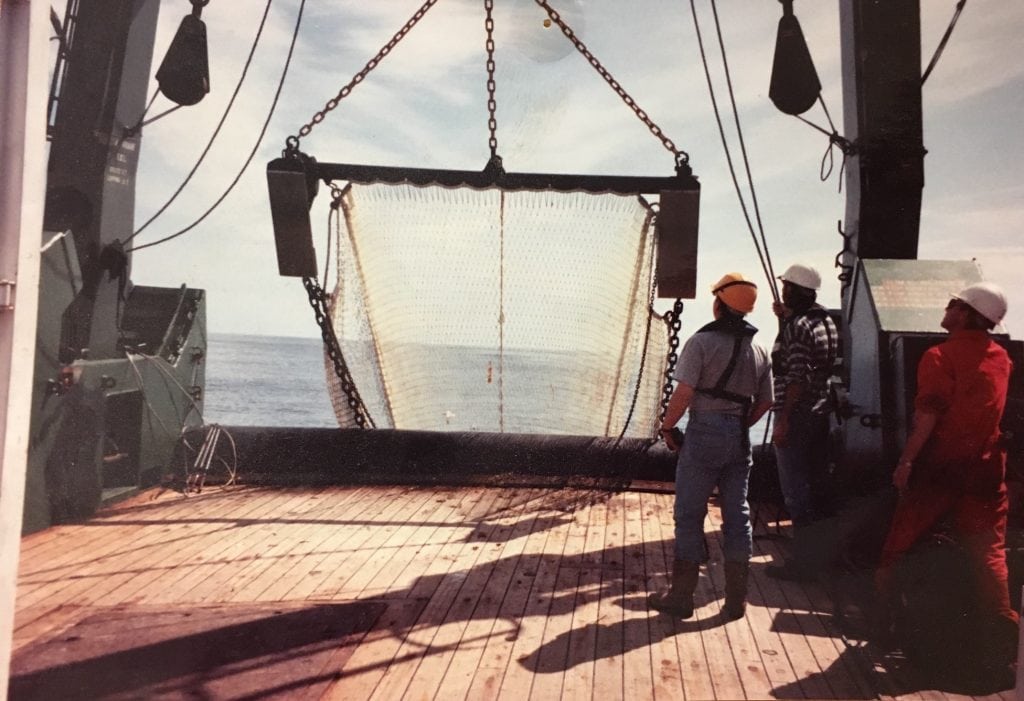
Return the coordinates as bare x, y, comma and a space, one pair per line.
802, 467
714, 454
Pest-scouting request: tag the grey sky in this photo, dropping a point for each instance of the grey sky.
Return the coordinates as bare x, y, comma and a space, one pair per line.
425, 106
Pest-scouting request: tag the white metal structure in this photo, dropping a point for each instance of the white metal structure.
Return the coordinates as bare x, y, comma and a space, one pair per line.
23, 85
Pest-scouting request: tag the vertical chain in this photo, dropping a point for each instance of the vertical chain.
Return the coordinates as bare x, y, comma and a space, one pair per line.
492, 104
682, 158
318, 300
293, 141
674, 321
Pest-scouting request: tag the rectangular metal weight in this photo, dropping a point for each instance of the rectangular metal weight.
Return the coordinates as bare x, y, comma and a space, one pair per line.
677, 243
293, 232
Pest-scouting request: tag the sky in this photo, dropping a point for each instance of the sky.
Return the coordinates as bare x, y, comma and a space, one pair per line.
425, 105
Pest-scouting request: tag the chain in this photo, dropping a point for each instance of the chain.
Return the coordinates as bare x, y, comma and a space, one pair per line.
682, 158
845, 270
318, 300
492, 104
674, 321
293, 141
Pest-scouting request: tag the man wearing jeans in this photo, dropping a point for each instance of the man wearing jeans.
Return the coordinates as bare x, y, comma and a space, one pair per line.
802, 361
724, 379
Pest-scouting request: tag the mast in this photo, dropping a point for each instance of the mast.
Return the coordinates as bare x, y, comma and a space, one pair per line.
95, 153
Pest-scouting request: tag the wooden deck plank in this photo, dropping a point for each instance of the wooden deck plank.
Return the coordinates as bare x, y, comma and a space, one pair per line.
398, 575
359, 554
497, 653
162, 575
398, 677
452, 655
47, 622
395, 550
96, 538
490, 593
85, 577
781, 677
518, 680
517, 526
331, 515
637, 674
227, 557
407, 577
371, 660
606, 554
376, 652
274, 549
198, 563
312, 553
41, 546
827, 657
748, 658
566, 657
358, 544
854, 659
667, 633
797, 646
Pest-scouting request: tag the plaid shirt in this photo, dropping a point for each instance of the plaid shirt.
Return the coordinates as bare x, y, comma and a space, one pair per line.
804, 353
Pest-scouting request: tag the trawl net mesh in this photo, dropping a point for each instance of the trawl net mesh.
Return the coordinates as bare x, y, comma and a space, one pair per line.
484, 310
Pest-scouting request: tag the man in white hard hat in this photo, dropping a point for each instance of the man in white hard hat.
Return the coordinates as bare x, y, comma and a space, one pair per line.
724, 380
802, 361
953, 462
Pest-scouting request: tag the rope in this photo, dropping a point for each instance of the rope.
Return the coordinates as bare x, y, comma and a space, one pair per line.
213, 137
501, 315
762, 255
651, 219
259, 139
743, 150
945, 38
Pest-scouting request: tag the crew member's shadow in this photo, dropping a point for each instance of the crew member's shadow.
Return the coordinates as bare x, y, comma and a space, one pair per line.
635, 633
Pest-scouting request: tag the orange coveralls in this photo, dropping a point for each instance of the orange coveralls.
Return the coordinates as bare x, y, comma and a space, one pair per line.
961, 470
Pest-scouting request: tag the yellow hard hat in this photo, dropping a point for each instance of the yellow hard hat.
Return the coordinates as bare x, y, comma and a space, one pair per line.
736, 292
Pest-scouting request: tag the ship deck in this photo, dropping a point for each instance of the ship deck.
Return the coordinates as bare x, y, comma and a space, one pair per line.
413, 592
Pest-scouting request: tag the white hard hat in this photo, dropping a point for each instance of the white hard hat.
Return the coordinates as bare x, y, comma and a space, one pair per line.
802, 275
986, 299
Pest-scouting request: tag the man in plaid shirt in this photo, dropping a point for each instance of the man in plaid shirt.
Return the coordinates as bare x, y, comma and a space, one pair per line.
802, 361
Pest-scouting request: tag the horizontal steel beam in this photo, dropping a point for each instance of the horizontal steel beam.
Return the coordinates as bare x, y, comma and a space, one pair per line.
620, 184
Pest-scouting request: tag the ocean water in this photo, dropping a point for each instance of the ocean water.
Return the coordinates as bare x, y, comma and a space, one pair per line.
280, 381
266, 381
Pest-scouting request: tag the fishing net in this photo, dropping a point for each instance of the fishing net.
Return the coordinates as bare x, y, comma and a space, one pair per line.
461, 309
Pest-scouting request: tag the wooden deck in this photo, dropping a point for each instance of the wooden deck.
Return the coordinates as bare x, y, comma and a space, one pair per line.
392, 592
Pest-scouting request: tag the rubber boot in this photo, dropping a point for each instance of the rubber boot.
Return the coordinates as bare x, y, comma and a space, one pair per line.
736, 589
678, 600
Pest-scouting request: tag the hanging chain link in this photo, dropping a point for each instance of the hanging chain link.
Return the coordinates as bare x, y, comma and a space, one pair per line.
492, 104
293, 141
318, 300
682, 158
674, 321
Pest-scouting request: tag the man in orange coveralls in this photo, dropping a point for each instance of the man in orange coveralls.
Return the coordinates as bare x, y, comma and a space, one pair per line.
953, 463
